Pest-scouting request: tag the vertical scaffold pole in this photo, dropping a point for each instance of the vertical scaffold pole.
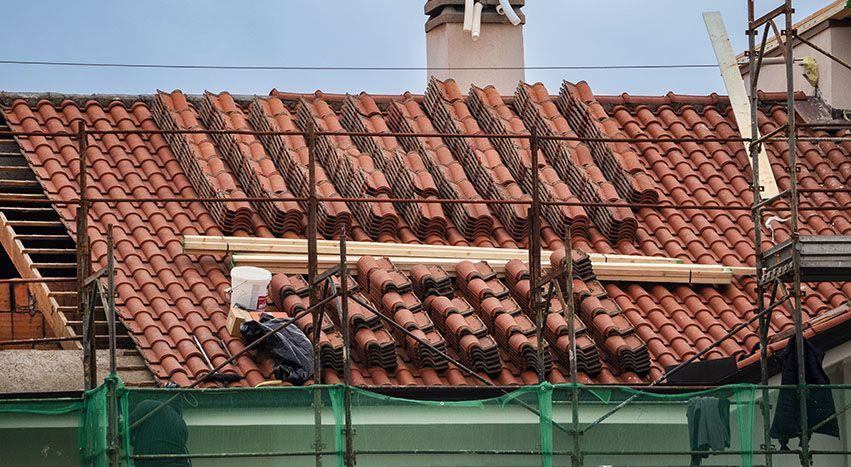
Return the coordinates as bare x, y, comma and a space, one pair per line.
113, 416
311, 278
109, 306
344, 322
756, 215
793, 227
534, 222
567, 304
84, 308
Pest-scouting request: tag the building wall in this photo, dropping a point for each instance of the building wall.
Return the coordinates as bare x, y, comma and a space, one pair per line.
500, 45
839, 79
19, 319
834, 79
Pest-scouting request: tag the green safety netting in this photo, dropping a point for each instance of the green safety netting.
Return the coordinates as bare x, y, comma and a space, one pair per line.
533, 425
94, 423
40, 431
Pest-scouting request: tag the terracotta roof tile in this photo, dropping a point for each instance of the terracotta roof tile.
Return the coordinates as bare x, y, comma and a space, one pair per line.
626, 333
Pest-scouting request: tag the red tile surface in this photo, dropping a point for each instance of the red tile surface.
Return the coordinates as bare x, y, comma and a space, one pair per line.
626, 332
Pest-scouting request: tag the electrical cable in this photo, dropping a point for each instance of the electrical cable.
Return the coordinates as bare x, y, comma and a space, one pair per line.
348, 68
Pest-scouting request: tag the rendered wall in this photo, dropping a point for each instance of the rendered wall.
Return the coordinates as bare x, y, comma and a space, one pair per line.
500, 45
834, 79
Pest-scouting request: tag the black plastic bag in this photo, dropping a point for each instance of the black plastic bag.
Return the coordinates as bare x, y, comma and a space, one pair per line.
290, 348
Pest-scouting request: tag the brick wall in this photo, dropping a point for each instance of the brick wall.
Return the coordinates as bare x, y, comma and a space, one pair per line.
19, 319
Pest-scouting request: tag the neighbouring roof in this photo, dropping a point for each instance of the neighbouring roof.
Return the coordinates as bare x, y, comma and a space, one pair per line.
629, 331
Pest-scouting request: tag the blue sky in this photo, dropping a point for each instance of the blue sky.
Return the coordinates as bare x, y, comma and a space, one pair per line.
349, 33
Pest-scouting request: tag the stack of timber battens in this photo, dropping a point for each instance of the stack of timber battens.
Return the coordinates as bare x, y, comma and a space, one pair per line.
290, 256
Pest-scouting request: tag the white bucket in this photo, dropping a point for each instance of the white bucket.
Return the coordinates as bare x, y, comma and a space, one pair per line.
249, 287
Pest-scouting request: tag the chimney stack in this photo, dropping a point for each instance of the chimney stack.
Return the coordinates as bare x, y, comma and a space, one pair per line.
476, 34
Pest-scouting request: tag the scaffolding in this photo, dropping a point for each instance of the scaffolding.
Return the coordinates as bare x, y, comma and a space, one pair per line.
558, 283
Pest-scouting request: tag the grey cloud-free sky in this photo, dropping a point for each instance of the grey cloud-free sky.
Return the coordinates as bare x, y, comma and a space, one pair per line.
350, 33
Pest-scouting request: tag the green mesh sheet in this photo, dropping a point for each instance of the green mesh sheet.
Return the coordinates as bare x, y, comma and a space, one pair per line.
37, 432
532, 425
650, 428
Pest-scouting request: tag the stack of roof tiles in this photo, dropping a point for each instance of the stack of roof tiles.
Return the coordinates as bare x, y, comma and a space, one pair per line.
164, 296
411, 181
613, 332
352, 172
373, 344
557, 330
480, 161
623, 170
574, 162
291, 295
291, 159
497, 118
456, 319
387, 286
253, 167
505, 319
472, 220
202, 162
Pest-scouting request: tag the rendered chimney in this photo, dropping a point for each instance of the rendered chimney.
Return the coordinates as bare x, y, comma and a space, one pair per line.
499, 45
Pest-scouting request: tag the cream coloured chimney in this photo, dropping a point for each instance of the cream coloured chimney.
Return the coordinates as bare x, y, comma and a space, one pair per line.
497, 51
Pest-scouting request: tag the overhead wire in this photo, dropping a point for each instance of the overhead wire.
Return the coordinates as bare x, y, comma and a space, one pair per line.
182, 66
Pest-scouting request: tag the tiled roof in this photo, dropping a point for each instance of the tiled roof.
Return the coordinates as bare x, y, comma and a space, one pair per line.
626, 332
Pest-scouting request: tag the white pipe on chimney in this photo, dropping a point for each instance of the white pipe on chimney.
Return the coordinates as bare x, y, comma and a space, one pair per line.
477, 21
504, 8
468, 15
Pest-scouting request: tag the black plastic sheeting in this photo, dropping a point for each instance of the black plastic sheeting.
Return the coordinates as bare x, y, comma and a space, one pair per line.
291, 351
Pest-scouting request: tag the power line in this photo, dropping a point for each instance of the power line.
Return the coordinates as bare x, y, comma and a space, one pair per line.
346, 68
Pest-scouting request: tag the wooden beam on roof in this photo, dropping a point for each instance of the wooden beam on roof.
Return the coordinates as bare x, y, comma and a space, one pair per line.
616, 272
219, 245
289, 256
738, 94
45, 303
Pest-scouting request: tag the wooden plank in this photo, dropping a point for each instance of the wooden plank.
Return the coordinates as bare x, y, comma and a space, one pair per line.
738, 94
41, 236
18, 196
49, 251
27, 209
631, 272
14, 168
54, 265
21, 223
198, 244
607, 258
194, 244
44, 301
18, 183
